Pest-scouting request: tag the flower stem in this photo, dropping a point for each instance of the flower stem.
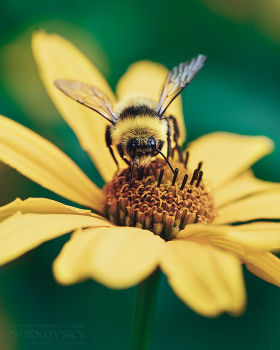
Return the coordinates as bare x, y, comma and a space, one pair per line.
144, 311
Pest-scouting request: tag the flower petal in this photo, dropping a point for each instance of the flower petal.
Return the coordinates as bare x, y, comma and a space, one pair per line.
146, 78
226, 155
243, 186
117, 257
41, 206
263, 236
267, 267
260, 206
264, 265
44, 163
21, 233
209, 280
56, 58
200, 230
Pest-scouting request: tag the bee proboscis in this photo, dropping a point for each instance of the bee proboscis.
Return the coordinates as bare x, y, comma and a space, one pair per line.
140, 126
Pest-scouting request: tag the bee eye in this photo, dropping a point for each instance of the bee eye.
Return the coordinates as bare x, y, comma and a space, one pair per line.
152, 143
132, 147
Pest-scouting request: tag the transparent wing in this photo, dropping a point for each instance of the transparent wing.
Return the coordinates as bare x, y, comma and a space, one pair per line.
178, 78
88, 96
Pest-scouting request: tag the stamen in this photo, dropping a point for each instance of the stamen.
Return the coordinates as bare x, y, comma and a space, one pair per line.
199, 166
155, 202
175, 176
186, 159
199, 178
184, 182
195, 174
169, 226
160, 177
140, 173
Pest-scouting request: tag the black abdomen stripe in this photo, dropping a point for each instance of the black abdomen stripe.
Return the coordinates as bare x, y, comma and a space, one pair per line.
136, 111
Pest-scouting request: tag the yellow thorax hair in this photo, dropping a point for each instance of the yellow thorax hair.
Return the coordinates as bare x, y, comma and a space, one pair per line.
144, 126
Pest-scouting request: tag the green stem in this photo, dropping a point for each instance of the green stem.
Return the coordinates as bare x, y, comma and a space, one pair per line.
144, 311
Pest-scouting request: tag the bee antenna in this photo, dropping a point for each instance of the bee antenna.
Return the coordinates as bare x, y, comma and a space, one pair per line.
131, 174
167, 161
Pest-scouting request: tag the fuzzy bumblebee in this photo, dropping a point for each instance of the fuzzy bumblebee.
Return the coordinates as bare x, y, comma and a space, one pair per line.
140, 126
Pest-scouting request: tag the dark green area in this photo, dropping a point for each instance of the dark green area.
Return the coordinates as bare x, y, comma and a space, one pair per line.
237, 91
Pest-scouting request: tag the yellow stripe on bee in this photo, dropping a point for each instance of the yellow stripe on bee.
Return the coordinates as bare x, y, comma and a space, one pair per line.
135, 127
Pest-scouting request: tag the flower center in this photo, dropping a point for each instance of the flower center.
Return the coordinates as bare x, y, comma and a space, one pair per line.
159, 200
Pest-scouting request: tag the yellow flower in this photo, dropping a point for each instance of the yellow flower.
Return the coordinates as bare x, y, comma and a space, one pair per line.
203, 263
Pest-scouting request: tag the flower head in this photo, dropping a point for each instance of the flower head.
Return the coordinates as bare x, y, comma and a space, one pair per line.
160, 201
181, 224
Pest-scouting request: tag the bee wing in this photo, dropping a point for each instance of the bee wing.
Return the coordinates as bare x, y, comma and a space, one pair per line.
88, 96
178, 78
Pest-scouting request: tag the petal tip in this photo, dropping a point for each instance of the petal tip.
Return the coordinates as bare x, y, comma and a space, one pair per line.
269, 143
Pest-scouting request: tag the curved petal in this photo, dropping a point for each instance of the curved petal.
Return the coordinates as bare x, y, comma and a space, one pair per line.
146, 78
41, 206
117, 257
267, 267
264, 265
201, 230
260, 206
243, 186
209, 280
262, 236
226, 155
44, 163
21, 233
56, 59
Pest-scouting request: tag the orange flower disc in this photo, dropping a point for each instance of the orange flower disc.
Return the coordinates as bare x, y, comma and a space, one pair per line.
158, 200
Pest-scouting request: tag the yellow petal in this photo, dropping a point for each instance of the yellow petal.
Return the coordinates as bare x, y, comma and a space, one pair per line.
21, 233
117, 257
263, 264
243, 186
56, 59
226, 155
209, 280
263, 236
200, 230
41, 206
146, 78
260, 206
44, 163
267, 268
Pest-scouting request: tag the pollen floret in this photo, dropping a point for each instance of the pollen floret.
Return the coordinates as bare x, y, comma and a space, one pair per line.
159, 200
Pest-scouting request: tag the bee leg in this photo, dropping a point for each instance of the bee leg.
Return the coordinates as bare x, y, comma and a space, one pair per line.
109, 143
175, 138
120, 150
131, 174
168, 140
180, 153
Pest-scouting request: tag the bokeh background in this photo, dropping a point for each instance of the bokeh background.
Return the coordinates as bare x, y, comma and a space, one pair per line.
237, 91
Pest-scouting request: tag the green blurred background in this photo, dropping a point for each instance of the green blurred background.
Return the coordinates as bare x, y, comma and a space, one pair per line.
237, 91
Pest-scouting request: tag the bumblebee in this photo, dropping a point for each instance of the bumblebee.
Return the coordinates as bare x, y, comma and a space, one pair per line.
140, 127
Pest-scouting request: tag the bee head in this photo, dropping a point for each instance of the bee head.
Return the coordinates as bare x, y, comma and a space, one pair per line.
141, 146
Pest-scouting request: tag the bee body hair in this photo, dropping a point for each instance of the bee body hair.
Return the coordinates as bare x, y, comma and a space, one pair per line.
137, 121
140, 126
